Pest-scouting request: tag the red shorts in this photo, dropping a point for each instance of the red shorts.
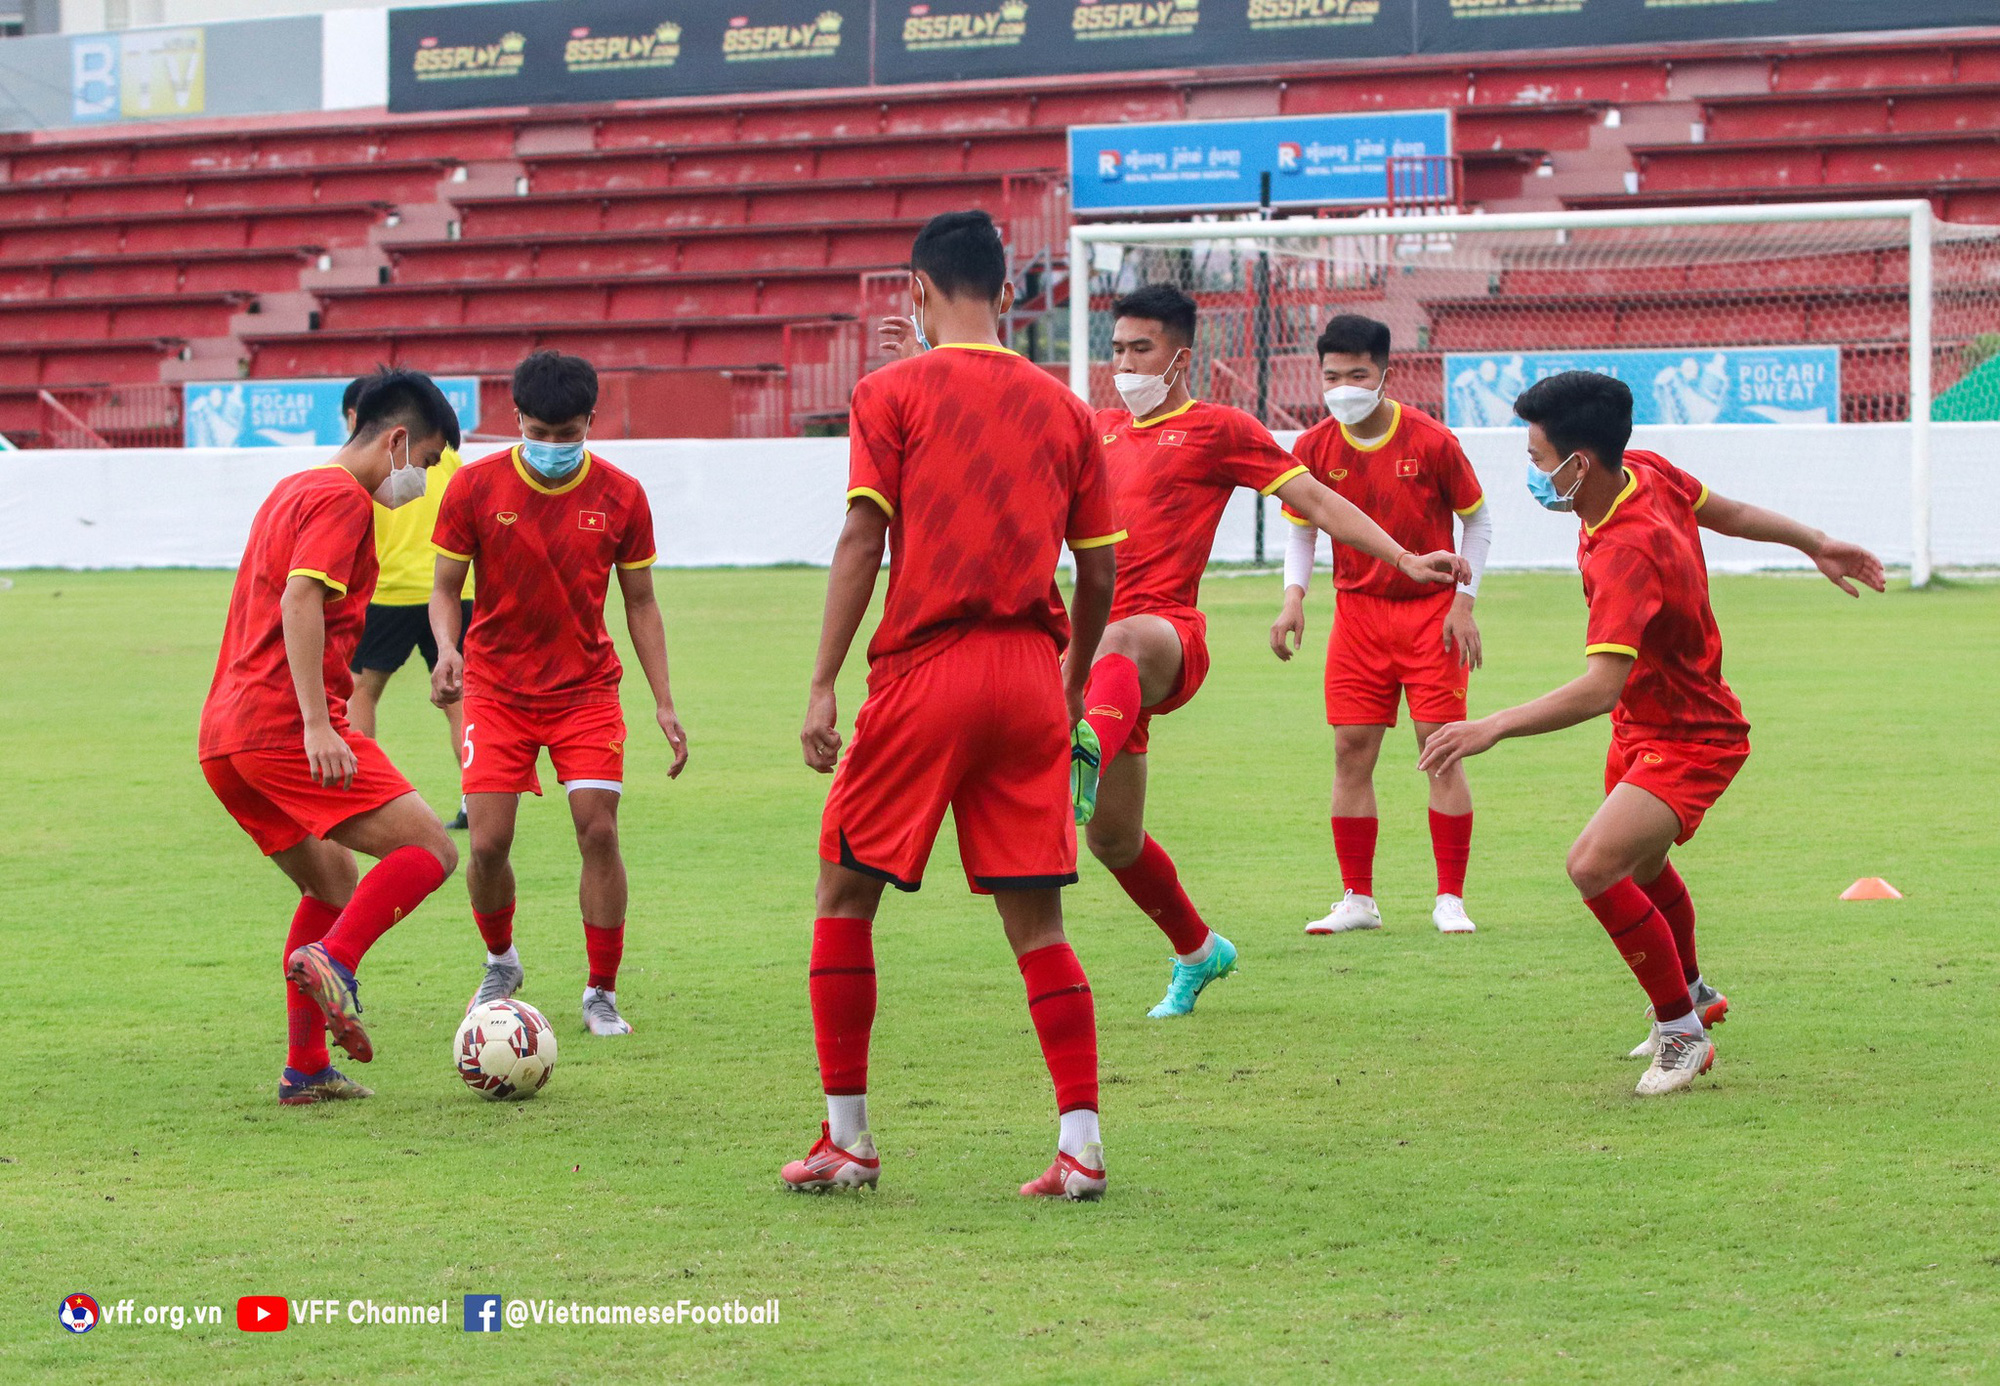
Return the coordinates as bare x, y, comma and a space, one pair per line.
1192, 628
586, 742
980, 728
273, 797
1687, 776
1381, 650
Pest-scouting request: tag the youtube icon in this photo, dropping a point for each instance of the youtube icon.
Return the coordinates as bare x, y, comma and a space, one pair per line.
262, 1314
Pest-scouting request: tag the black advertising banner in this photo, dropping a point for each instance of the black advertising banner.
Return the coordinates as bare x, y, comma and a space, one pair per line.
570, 52
1485, 26
946, 40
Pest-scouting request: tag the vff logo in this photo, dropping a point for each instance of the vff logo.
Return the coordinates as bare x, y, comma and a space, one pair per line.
1290, 156
1109, 165
482, 1314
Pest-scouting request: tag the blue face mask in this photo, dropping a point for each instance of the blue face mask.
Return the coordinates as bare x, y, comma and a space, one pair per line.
552, 460
1542, 486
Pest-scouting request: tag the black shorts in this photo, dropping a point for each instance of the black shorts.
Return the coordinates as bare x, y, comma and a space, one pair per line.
392, 632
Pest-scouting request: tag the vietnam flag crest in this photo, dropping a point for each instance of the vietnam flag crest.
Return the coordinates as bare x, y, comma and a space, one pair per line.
1173, 438
592, 520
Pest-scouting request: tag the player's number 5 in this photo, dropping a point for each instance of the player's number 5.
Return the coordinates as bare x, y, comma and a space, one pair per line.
465, 749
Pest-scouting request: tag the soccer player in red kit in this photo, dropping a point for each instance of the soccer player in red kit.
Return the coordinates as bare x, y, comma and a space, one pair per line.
1653, 660
549, 521
1392, 638
975, 465
275, 745
1174, 460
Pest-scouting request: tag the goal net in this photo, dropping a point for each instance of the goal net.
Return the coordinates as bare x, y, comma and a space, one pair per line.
1797, 320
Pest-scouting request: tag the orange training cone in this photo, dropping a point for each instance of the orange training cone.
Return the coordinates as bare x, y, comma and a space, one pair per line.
1871, 888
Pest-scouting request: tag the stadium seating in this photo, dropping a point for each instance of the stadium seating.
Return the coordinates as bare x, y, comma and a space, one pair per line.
743, 234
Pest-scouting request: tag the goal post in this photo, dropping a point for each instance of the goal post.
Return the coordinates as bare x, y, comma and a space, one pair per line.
1798, 314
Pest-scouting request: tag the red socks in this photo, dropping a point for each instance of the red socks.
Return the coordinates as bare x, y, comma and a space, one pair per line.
496, 927
1111, 704
605, 948
1451, 844
1065, 1022
397, 885
1155, 887
1354, 844
305, 1025
1669, 894
1641, 935
842, 984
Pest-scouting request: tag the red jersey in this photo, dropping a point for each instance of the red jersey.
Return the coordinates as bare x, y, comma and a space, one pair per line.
318, 524
985, 465
1647, 585
1410, 482
1170, 479
545, 554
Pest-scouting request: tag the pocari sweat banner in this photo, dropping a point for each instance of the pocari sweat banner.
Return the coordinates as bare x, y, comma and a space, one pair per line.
289, 413
1196, 165
1699, 385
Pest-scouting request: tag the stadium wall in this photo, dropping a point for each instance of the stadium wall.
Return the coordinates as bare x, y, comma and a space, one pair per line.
749, 502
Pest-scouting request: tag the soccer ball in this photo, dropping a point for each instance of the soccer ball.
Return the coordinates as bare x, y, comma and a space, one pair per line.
505, 1051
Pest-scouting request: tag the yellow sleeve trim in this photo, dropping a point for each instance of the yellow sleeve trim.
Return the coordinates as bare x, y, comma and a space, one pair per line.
461, 557
874, 495
1099, 543
1702, 499
1301, 521
648, 561
317, 576
1472, 509
1282, 480
1589, 650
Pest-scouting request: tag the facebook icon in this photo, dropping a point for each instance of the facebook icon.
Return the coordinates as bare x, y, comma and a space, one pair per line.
482, 1314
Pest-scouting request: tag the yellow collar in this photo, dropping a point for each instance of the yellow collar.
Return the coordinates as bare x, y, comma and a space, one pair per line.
974, 346
1631, 485
529, 475
1170, 414
1395, 422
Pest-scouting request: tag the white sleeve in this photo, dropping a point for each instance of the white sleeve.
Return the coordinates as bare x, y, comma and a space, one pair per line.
1299, 550
1475, 542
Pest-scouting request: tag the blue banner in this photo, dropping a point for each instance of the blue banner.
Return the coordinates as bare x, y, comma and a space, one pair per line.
1209, 165
289, 413
1686, 385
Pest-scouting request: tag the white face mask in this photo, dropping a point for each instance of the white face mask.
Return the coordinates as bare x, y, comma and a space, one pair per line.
1351, 403
403, 484
1144, 393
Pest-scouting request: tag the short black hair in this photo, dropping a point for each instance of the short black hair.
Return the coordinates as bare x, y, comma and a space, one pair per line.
411, 399
1581, 409
352, 394
962, 253
555, 388
1163, 304
1350, 334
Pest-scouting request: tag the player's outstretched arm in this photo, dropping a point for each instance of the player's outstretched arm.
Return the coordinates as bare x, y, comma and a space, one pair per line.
1592, 694
1349, 525
857, 559
649, 644
1288, 632
1839, 560
1089, 610
302, 610
447, 618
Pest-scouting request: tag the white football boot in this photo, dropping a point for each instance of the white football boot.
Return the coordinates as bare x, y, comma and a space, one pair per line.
600, 1013
1449, 916
1681, 1059
1711, 1005
1350, 912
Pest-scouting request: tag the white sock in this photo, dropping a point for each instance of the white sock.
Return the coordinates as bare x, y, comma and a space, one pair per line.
610, 996
1201, 954
1689, 1024
510, 957
1694, 987
1079, 1128
846, 1118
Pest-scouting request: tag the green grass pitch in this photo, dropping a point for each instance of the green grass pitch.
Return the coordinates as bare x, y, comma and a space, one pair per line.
1393, 1157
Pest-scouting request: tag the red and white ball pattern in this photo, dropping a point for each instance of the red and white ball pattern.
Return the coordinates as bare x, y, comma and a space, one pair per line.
505, 1051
